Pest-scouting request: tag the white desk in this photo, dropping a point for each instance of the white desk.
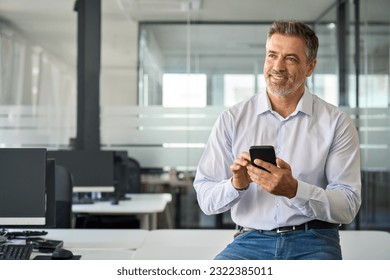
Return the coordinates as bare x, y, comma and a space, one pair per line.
91, 189
206, 244
365, 245
102, 254
144, 205
182, 244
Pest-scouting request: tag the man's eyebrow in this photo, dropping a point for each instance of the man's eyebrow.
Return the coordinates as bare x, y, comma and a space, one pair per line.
271, 52
289, 54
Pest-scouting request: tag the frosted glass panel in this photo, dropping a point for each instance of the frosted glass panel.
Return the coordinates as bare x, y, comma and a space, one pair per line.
36, 126
175, 137
163, 137
158, 136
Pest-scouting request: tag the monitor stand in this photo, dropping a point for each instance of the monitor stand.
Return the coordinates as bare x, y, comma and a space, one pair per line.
80, 198
115, 200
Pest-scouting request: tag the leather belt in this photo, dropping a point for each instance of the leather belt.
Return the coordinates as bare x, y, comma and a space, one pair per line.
315, 224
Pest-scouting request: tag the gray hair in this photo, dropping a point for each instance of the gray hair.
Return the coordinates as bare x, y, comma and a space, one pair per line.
296, 28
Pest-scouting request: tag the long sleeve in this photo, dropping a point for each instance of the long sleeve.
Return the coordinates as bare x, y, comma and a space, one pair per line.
340, 201
215, 192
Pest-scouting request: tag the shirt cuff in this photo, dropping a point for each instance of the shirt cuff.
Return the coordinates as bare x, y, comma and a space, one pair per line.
303, 193
234, 190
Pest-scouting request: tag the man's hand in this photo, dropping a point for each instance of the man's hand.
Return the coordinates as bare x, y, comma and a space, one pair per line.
241, 177
279, 179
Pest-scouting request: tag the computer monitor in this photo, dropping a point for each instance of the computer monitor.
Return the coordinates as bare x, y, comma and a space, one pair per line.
92, 171
26, 197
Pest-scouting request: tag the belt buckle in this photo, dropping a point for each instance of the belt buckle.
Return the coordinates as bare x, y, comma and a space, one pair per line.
285, 229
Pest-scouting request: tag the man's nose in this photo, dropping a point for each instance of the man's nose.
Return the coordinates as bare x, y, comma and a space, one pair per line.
279, 64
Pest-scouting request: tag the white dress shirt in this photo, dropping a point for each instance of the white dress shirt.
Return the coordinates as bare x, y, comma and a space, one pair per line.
320, 143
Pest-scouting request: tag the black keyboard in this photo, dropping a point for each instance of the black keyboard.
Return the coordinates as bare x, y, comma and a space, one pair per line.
15, 251
25, 233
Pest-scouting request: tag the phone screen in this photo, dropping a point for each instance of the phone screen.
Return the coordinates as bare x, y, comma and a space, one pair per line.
266, 153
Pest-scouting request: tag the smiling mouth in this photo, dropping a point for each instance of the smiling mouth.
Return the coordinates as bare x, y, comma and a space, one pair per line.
278, 78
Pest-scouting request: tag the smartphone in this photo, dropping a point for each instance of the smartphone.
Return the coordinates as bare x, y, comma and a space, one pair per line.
266, 153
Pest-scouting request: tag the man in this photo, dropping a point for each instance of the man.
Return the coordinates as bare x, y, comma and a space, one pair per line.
292, 210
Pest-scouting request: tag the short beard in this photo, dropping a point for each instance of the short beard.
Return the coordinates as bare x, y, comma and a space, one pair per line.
280, 94
281, 91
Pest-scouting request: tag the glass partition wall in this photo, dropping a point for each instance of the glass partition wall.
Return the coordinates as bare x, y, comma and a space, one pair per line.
373, 92
193, 71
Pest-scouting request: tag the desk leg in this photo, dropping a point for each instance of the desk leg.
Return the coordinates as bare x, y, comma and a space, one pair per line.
153, 218
144, 221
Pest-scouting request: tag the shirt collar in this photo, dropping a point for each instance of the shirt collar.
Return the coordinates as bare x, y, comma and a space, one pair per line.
263, 103
304, 104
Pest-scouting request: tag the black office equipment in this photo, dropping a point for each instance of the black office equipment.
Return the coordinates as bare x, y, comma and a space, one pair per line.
61, 254
89, 168
121, 176
134, 178
97, 170
63, 197
26, 191
45, 245
127, 176
24, 233
51, 204
15, 251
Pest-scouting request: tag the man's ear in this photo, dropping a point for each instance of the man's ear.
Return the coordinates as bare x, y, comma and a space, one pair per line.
310, 67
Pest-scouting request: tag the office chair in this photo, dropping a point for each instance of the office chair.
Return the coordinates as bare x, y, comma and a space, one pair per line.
127, 176
64, 191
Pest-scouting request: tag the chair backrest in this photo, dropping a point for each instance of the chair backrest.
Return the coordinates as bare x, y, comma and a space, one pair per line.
134, 169
64, 192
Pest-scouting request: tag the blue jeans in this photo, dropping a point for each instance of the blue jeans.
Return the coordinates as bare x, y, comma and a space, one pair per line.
313, 244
